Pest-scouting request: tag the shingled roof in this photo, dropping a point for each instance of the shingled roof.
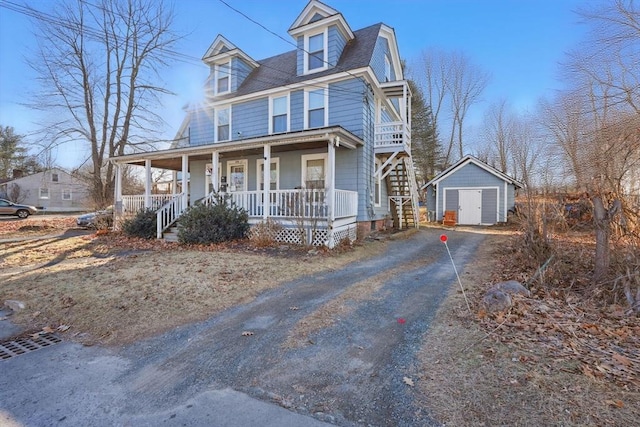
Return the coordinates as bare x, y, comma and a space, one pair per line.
281, 70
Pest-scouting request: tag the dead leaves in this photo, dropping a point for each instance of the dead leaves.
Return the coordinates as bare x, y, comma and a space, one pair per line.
605, 346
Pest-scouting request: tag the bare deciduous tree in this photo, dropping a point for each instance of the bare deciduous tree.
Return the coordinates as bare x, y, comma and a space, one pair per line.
452, 84
98, 64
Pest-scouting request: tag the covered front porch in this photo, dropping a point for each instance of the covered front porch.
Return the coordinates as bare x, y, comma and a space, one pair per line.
298, 191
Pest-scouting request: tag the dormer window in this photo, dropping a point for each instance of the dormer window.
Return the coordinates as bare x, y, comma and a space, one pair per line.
223, 78
315, 55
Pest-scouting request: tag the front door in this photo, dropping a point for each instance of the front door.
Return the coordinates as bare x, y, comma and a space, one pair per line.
469, 207
237, 171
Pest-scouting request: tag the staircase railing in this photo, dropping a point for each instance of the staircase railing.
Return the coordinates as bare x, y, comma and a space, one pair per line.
413, 189
169, 213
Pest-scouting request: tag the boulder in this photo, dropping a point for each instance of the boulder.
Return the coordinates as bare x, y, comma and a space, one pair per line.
512, 287
496, 300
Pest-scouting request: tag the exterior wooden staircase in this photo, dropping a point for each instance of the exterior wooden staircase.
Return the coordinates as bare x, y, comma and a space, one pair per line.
399, 175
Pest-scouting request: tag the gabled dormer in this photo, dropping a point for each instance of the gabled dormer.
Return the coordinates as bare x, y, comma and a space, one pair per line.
321, 34
229, 66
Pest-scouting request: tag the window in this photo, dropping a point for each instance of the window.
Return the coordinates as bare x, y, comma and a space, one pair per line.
279, 114
54, 177
313, 170
66, 194
316, 109
44, 193
223, 130
387, 69
223, 78
274, 178
316, 52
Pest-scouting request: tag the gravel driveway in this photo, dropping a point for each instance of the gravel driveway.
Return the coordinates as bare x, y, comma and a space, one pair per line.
350, 373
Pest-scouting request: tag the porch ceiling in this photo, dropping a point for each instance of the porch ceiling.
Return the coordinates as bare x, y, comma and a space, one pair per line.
172, 159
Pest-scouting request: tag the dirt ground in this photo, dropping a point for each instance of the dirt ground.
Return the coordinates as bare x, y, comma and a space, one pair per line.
469, 370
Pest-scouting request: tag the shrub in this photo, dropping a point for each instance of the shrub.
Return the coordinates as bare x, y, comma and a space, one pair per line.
142, 225
215, 223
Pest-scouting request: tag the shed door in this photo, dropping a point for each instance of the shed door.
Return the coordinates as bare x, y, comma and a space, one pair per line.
469, 207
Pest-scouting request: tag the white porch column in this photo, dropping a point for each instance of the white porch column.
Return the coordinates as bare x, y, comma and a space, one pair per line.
185, 181
215, 160
118, 191
331, 186
266, 179
174, 183
147, 184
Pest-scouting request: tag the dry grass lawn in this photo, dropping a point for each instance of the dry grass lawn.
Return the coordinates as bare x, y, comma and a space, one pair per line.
112, 290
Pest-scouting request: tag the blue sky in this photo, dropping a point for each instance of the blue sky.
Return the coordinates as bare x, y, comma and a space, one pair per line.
519, 42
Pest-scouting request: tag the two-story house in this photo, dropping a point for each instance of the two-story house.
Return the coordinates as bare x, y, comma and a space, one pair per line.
329, 119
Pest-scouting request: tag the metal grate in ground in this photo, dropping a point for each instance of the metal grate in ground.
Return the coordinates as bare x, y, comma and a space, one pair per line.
17, 346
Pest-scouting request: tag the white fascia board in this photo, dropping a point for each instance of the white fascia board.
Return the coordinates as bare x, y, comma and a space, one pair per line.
220, 40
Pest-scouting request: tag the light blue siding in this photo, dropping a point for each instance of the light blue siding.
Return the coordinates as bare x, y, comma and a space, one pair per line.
336, 44
493, 192
489, 206
377, 60
345, 105
201, 127
296, 108
239, 71
300, 50
251, 119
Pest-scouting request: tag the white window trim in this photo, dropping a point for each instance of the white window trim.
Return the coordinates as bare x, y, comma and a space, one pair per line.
64, 191
216, 76
215, 124
306, 106
377, 164
304, 159
231, 163
325, 59
271, 99
40, 196
260, 175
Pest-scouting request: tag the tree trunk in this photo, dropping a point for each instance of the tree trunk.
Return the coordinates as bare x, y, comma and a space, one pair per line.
603, 230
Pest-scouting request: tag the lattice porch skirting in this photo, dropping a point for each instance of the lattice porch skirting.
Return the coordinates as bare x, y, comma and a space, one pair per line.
318, 236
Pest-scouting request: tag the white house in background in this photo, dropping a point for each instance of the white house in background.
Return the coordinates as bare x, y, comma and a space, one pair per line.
53, 190
331, 119
478, 193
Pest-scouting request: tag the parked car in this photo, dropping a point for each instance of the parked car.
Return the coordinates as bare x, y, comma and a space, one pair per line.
99, 219
22, 211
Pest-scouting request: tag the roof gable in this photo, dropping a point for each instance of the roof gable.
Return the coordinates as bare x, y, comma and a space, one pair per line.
222, 49
471, 160
317, 14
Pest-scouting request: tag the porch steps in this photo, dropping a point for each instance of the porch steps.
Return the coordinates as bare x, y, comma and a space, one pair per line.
171, 234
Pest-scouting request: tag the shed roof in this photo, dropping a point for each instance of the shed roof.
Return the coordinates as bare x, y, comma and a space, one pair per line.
472, 160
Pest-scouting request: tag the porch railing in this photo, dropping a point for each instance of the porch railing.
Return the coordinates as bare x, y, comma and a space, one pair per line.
392, 134
133, 204
297, 203
169, 213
